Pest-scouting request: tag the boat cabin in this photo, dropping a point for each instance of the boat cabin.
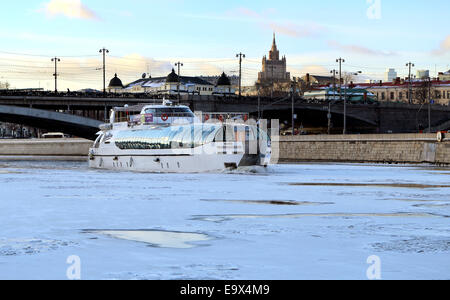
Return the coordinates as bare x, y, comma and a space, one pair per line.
151, 114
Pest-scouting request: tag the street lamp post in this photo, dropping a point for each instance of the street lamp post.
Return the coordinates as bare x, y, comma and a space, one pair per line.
104, 52
429, 105
240, 56
56, 60
410, 65
329, 116
179, 65
340, 61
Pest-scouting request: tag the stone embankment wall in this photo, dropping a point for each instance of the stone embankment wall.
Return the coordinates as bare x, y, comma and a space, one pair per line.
376, 148
45, 147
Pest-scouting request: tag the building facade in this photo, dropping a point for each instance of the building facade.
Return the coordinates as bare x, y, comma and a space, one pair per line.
185, 85
312, 80
399, 91
115, 85
234, 80
273, 68
170, 85
422, 74
444, 76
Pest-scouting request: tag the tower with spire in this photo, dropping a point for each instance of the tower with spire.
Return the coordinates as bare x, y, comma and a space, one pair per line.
274, 54
274, 68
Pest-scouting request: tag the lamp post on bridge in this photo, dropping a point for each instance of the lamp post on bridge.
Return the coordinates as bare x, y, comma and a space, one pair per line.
56, 60
329, 116
340, 61
104, 52
410, 65
179, 65
429, 104
240, 56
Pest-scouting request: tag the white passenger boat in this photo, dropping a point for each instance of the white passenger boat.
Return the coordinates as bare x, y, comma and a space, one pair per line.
171, 139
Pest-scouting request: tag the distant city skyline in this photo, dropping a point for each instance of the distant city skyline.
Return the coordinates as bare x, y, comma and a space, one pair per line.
150, 36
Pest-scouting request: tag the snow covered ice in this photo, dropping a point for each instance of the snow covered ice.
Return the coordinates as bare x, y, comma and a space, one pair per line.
309, 221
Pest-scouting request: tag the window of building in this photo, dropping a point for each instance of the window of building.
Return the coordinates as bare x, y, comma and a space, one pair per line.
383, 97
400, 95
392, 95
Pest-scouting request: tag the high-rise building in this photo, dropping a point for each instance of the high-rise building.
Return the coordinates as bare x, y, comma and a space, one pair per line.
274, 68
390, 75
423, 74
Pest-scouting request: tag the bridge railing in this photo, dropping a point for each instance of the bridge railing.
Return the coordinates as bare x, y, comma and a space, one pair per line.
146, 97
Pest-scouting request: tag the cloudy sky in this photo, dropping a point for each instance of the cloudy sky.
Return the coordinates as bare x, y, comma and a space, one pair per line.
150, 36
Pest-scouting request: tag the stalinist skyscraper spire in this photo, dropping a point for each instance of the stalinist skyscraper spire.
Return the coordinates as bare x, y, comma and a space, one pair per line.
274, 54
274, 68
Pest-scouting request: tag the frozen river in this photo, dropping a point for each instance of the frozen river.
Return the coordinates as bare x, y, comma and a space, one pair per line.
310, 221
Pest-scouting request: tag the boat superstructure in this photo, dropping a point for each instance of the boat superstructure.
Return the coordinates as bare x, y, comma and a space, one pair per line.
171, 139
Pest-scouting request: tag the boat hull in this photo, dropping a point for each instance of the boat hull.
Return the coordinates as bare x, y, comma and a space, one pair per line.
195, 161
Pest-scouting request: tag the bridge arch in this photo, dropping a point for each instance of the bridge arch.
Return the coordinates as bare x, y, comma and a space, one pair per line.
317, 117
51, 121
320, 109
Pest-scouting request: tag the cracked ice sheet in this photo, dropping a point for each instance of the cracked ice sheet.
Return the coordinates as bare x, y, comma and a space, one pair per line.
53, 202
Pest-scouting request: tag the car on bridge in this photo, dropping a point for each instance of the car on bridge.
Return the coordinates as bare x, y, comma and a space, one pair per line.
55, 135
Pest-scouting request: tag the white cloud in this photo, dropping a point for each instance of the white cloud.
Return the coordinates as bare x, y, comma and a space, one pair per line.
288, 28
73, 9
444, 47
358, 49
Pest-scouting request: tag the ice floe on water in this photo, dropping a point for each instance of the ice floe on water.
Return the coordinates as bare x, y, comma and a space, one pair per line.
239, 224
161, 239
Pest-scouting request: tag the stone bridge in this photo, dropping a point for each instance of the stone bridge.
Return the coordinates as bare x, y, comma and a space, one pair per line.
381, 117
50, 120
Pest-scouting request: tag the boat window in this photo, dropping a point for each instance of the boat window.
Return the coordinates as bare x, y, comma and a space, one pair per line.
150, 111
165, 110
174, 137
97, 141
188, 137
209, 134
107, 138
198, 136
171, 111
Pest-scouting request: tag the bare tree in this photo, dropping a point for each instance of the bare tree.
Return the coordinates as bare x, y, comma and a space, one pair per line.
347, 77
4, 85
422, 92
